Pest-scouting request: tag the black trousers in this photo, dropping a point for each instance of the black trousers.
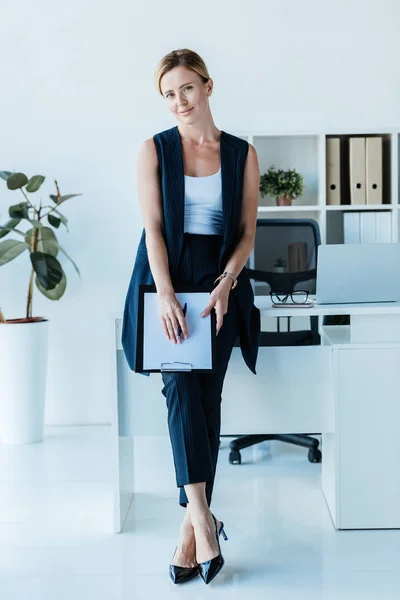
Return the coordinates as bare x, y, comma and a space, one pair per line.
194, 399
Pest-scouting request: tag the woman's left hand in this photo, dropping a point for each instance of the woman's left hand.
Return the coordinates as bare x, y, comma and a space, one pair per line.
219, 301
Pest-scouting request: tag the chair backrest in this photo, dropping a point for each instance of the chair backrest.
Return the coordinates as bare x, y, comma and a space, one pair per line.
285, 254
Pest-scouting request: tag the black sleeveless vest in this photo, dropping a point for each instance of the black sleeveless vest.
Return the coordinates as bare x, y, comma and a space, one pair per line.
171, 171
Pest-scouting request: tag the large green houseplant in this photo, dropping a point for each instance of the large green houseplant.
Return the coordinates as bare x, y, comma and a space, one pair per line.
24, 341
39, 239
283, 185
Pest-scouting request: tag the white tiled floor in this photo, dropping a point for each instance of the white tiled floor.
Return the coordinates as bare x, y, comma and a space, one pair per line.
56, 521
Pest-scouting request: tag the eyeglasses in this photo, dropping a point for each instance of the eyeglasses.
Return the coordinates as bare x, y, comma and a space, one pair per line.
297, 297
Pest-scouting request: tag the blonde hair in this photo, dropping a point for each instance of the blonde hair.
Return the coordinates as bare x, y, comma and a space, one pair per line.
181, 58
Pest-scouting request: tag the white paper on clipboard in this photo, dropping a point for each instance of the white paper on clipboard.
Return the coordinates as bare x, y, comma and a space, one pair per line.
195, 351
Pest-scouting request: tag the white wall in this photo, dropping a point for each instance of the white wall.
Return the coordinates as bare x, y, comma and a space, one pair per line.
77, 99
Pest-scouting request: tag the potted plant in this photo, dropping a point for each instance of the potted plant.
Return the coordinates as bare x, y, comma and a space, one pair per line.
283, 185
24, 340
279, 265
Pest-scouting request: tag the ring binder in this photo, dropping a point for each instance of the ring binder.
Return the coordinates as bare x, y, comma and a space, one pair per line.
176, 366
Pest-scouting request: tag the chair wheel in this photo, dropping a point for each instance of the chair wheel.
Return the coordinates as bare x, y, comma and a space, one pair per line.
235, 457
314, 455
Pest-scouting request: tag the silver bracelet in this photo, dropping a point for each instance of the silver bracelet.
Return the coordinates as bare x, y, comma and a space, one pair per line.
232, 277
229, 275
226, 274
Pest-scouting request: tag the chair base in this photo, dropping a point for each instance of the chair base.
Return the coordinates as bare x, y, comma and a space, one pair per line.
298, 439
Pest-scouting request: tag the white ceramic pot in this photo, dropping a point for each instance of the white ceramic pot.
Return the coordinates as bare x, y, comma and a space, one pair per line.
23, 375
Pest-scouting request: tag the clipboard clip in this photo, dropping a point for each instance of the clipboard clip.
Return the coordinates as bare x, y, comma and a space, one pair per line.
176, 366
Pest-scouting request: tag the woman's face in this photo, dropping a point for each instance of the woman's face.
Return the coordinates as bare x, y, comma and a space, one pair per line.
183, 91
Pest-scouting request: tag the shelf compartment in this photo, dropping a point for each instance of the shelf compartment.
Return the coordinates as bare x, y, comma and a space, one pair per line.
299, 152
387, 140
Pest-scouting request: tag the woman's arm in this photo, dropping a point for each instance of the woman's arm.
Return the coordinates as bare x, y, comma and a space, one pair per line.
247, 233
248, 220
150, 201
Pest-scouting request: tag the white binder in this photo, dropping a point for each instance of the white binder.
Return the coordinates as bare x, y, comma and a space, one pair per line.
368, 227
383, 226
351, 227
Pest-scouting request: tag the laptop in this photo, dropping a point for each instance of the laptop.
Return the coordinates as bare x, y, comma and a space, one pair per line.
349, 273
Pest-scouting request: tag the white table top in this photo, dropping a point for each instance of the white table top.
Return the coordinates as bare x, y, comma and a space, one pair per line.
265, 305
368, 308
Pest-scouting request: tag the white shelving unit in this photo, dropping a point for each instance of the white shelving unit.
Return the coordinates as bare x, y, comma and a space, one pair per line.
306, 152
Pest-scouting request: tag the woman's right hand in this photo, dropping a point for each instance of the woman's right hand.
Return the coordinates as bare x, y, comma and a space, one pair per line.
171, 315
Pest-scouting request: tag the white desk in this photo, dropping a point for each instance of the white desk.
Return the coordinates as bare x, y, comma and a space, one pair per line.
348, 389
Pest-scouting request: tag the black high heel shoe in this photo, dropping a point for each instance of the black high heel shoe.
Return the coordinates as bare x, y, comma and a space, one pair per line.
210, 568
182, 574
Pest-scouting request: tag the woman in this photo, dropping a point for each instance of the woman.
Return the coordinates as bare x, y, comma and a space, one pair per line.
198, 194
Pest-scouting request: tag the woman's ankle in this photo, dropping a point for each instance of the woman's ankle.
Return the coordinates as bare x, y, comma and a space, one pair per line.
187, 521
200, 516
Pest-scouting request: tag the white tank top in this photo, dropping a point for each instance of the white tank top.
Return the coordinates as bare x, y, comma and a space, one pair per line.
203, 204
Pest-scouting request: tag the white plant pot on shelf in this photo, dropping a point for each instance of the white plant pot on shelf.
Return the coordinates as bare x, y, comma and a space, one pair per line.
23, 376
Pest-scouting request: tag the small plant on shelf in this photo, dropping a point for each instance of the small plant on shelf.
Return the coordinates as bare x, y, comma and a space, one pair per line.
283, 185
279, 265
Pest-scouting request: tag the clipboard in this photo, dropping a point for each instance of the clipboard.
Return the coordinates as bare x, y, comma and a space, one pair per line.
155, 353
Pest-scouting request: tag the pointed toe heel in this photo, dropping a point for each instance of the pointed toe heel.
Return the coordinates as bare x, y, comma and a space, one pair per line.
210, 568
182, 574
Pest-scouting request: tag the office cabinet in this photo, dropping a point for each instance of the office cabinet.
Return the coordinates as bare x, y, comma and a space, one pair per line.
360, 474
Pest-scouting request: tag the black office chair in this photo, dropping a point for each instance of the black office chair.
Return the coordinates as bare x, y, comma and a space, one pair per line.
285, 257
